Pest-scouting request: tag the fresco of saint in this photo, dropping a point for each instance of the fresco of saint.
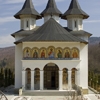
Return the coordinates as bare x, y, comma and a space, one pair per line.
51, 53
59, 55
75, 54
67, 54
35, 54
43, 54
27, 53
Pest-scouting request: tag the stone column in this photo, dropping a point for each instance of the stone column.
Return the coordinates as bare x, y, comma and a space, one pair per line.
32, 80
41, 79
77, 77
69, 80
23, 79
60, 80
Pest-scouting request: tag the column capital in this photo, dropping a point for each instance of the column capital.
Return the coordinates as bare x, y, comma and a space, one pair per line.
69, 71
32, 71
41, 71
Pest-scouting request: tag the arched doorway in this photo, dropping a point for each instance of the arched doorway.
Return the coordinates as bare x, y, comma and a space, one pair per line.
51, 76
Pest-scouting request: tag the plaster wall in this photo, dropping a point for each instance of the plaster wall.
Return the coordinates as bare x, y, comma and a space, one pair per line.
31, 23
84, 66
71, 23
18, 66
55, 44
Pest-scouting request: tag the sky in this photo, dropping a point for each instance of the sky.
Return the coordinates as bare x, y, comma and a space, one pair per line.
9, 25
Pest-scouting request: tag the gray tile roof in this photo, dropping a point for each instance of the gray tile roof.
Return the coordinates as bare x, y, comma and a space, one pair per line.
28, 9
51, 8
78, 33
51, 31
75, 9
24, 32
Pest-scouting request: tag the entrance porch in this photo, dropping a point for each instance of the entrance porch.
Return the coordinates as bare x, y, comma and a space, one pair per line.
50, 78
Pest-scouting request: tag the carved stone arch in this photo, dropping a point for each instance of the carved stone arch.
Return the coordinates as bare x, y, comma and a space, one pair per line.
43, 52
35, 52
28, 68
27, 52
75, 52
59, 52
49, 50
67, 52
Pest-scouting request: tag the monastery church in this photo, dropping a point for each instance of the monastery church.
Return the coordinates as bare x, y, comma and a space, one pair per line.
50, 56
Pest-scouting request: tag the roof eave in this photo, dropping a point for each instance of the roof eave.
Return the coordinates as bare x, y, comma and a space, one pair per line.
65, 16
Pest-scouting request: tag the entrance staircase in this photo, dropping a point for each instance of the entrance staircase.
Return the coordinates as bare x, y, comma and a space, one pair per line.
48, 93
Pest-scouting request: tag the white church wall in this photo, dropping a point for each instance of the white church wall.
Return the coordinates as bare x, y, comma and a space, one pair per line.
32, 64
55, 44
72, 19
27, 23
84, 66
18, 66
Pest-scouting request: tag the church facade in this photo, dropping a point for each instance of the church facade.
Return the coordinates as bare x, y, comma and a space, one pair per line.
51, 57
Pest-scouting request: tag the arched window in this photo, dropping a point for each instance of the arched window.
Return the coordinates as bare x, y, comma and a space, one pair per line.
27, 23
75, 23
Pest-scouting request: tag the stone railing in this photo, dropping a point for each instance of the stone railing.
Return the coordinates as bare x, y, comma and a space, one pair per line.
2, 96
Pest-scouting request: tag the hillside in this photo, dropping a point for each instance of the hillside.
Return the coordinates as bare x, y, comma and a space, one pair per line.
7, 55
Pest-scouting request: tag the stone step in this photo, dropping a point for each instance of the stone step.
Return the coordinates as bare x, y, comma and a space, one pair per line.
48, 93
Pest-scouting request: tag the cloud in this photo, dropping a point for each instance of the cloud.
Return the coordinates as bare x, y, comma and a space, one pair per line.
92, 21
6, 19
6, 41
36, 2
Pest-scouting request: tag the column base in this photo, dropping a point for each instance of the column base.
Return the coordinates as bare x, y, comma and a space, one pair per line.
85, 91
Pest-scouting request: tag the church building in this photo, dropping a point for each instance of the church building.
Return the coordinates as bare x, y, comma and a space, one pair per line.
50, 56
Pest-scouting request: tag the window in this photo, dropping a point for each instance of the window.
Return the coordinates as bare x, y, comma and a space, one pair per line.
75, 23
27, 23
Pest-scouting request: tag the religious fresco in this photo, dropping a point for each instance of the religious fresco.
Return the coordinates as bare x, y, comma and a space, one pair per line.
75, 53
37, 76
67, 53
65, 76
73, 75
28, 72
27, 52
35, 53
59, 53
43, 53
51, 52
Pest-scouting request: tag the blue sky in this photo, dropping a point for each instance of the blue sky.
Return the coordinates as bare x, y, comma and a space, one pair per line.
9, 25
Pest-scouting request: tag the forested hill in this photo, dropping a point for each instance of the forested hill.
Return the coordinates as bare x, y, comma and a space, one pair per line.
94, 40
7, 55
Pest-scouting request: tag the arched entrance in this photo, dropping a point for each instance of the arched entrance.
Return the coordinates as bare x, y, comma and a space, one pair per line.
51, 76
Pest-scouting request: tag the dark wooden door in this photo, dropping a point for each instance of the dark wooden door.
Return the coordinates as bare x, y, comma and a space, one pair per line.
48, 79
